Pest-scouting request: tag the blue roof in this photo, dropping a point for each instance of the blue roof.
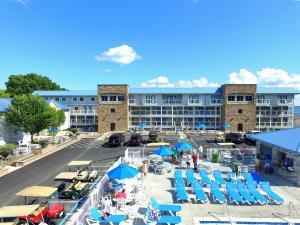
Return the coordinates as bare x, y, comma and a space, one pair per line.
67, 93
5, 104
175, 90
288, 139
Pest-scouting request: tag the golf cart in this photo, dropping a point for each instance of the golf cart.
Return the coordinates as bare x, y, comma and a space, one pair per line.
47, 212
84, 172
25, 215
68, 189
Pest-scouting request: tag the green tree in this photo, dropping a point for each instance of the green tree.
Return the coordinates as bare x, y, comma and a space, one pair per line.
32, 114
4, 94
28, 83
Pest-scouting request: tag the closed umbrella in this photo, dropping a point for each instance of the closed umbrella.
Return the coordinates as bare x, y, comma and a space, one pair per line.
122, 172
164, 151
201, 126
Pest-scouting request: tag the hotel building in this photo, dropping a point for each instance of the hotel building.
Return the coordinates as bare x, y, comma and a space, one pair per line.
119, 107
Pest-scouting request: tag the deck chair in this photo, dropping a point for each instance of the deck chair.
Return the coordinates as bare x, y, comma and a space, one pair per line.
249, 199
258, 196
178, 173
165, 208
219, 178
200, 194
233, 194
181, 193
204, 177
248, 178
190, 179
151, 219
256, 177
218, 196
95, 217
231, 176
271, 195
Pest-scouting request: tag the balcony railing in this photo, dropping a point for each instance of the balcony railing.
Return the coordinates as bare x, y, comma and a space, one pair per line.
274, 113
194, 102
216, 102
285, 101
84, 112
150, 102
274, 124
263, 101
83, 122
172, 102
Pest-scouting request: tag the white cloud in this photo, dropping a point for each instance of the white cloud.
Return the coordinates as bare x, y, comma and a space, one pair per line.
242, 77
107, 70
122, 54
163, 81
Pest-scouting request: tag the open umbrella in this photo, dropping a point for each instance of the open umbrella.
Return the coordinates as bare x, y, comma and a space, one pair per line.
227, 125
142, 125
164, 151
183, 145
122, 172
201, 126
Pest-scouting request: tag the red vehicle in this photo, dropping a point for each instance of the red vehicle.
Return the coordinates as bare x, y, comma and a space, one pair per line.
48, 213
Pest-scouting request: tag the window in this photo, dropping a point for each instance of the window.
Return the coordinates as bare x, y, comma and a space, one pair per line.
92, 99
63, 99
112, 98
76, 108
248, 98
57, 99
150, 99
104, 98
240, 98
112, 110
81, 99
240, 127
74, 99
231, 98
121, 98
215, 99
240, 111
112, 126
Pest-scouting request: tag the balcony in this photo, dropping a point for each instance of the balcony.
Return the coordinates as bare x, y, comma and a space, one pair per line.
150, 102
132, 102
83, 122
274, 124
263, 101
274, 113
285, 101
84, 112
216, 102
172, 102
194, 102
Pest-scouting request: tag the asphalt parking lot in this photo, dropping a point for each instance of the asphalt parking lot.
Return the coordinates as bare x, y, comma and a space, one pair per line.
43, 171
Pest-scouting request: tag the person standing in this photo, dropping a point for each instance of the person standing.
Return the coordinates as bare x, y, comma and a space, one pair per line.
201, 152
195, 158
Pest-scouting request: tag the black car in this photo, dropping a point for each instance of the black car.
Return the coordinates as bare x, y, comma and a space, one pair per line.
236, 138
116, 139
135, 139
152, 136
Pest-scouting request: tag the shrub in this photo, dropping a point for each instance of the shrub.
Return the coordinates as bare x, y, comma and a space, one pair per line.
7, 150
73, 130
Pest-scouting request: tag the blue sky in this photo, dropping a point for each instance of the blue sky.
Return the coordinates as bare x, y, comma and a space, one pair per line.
164, 43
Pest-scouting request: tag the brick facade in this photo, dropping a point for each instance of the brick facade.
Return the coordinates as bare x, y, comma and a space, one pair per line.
230, 110
112, 112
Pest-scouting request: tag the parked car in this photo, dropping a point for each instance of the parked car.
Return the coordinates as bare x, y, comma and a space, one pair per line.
248, 137
153, 136
135, 139
218, 137
116, 139
236, 138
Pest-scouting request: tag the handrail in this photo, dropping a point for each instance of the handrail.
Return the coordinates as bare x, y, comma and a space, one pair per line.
291, 204
228, 214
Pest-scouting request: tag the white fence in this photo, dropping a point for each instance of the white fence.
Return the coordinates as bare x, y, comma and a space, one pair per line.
79, 217
237, 153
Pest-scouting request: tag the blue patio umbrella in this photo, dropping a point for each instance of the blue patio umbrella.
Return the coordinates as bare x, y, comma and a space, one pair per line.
122, 172
227, 125
164, 151
183, 145
142, 125
201, 126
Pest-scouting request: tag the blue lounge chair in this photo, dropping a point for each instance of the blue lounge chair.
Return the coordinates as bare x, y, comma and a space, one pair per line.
162, 219
178, 173
96, 216
204, 177
218, 196
249, 199
248, 178
181, 194
165, 208
233, 194
190, 179
219, 178
200, 194
256, 177
258, 196
231, 176
271, 195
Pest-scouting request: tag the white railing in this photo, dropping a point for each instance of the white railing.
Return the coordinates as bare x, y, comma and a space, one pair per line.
150, 102
216, 102
263, 101
275, 113
172, 102
285, 101
194, 102
83, 122
274, 124
80, 112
